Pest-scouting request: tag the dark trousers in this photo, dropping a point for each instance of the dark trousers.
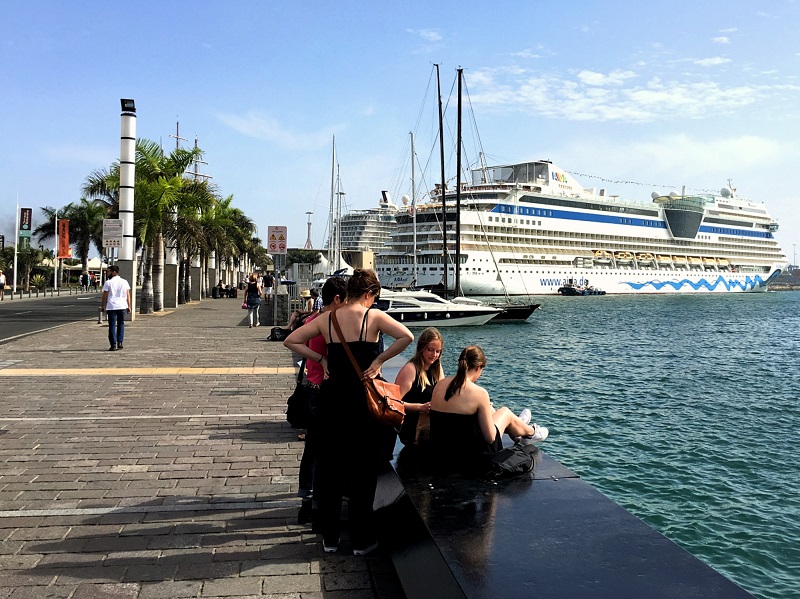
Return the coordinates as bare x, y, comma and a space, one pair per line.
309, 460
116, 327
347, 468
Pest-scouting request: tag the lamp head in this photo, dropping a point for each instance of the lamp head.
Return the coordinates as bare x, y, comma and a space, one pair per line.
128, 105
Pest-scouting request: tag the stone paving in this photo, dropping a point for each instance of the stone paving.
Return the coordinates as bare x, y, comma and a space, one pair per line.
163, 470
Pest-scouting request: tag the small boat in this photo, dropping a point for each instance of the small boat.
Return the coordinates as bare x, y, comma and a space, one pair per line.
426, 309
709, 262
666, 260
695, 261
644, 257
723, 262
572, 289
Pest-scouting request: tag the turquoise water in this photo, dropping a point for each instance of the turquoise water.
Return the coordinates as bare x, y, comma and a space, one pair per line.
683, 409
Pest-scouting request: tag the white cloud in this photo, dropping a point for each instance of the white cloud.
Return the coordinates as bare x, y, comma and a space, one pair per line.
723, 39
729, 30
613, 78
597, 97
429, 35
711, 62
268, 129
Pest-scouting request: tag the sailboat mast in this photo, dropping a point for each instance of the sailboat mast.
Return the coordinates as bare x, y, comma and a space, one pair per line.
414, 208
442, 190
457, 286
330, 213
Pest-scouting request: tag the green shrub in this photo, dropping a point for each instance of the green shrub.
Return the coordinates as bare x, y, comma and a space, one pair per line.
39, 281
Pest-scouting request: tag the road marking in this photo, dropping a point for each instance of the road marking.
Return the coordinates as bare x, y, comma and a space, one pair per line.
197, 371
147, 509
26, 312
149, 417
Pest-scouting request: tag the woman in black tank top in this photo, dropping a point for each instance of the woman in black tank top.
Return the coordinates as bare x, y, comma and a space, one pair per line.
351, 443
416, 380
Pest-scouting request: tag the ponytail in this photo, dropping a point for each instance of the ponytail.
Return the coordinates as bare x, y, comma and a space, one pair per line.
471, 357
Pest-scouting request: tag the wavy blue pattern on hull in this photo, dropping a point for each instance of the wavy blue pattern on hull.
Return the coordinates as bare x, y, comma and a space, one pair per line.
749, 284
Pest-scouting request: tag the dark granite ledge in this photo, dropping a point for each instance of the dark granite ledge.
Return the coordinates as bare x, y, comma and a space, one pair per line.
547, 534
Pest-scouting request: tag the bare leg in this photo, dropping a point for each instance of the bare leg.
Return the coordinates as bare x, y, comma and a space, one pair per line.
507, 422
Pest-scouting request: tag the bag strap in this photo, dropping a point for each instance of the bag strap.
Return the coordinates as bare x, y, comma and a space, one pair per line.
346, 347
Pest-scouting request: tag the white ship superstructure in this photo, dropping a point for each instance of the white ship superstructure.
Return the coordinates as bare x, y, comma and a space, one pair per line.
367, 230
530, 228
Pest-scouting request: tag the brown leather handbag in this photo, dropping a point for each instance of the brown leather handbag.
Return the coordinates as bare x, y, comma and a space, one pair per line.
383, 398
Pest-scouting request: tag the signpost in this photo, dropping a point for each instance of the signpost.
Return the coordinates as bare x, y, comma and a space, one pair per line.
277, 237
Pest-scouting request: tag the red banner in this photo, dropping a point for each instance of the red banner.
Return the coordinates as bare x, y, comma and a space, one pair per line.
64, 251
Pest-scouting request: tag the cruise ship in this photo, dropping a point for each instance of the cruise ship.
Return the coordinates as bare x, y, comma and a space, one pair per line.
367, 230
531, 228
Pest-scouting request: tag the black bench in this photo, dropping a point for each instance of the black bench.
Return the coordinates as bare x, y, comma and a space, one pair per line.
547, 534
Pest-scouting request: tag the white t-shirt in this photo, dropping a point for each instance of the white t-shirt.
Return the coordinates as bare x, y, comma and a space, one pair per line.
117, 298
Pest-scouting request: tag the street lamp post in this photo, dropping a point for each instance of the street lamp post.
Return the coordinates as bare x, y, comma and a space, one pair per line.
127, 171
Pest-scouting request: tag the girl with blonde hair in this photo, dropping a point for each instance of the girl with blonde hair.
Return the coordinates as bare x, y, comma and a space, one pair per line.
417, 378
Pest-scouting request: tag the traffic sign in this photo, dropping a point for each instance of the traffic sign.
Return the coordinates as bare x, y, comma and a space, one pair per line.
277, 238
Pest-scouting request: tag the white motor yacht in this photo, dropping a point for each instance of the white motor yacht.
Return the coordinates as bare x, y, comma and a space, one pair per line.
425, 309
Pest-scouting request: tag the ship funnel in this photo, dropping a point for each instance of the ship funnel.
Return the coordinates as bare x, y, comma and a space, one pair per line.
385, 198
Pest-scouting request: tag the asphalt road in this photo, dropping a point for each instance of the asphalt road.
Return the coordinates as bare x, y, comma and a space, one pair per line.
27, 316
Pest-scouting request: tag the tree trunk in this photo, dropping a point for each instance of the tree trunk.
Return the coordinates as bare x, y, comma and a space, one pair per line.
187, 273
158, 273
204, 277
181, 279
146, 301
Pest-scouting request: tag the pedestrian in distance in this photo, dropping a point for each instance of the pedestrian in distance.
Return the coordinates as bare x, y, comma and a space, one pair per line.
253, 300
116, 302
2, 285
269, 283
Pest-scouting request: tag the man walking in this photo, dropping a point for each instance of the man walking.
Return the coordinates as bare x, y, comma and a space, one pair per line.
2, 285
116, 302
269, 283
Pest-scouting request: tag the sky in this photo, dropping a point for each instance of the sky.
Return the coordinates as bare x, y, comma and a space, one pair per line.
634, 97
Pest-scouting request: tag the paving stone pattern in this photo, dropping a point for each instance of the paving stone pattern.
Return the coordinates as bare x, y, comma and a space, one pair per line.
159, 485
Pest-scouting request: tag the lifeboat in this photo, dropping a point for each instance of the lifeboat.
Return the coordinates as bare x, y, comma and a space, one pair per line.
664, 259
695, 261
723, 262
644, 257
679, 260
623, 257
602, 256
709, 262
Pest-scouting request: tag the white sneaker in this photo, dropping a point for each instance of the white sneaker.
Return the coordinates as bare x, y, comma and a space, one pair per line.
539, 434
525, 416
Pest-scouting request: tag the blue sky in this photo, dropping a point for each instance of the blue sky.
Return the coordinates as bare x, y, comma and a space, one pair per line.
660, 95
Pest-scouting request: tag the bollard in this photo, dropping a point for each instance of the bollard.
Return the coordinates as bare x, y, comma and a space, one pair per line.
99, 316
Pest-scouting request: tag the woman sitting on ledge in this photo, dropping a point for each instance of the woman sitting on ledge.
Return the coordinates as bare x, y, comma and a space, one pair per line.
464, 425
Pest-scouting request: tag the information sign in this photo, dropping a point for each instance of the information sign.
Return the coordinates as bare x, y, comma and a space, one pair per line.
112, 232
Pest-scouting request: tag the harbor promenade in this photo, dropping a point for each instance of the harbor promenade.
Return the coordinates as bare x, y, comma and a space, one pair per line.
166, 469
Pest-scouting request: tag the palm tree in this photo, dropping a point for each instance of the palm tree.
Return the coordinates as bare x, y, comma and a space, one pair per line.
86, 227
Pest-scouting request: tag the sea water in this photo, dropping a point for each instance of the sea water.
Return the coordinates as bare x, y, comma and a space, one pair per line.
683, 409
